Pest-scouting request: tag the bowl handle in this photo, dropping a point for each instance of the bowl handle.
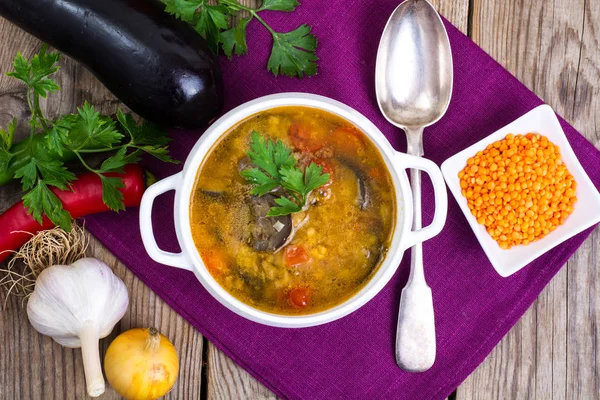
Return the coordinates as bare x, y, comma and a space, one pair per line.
164, 257
407, 161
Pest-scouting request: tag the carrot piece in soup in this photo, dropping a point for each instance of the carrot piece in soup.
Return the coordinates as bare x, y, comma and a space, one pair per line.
215, 261
300, 297
347, 140
304, 138
295, 255
376, 173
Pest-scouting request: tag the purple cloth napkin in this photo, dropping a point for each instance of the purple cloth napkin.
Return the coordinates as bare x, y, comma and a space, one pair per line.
354, 357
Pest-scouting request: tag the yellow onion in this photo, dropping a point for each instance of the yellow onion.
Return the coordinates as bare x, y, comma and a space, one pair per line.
141, 364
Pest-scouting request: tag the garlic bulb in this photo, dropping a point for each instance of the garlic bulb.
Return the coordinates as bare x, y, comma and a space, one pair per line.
77, 305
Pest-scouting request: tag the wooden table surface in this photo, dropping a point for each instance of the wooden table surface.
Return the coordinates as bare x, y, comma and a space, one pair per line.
553, 47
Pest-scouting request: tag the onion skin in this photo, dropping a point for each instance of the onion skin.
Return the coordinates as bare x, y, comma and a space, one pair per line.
141, 364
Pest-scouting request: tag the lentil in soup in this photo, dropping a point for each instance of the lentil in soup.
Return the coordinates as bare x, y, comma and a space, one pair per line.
308, 260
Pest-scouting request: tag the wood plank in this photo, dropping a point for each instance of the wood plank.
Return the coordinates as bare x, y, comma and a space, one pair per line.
583, 302
34, 366
227, 380
550, 352
456, 11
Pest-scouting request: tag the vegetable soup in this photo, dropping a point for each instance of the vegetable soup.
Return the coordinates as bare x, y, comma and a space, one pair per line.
293, 210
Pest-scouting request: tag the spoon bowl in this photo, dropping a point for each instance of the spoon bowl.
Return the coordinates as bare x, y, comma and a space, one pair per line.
413, 76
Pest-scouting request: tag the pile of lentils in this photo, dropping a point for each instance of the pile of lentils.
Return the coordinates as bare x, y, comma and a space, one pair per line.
519, 189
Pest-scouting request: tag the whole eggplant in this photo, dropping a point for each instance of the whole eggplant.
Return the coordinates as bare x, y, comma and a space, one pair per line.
155, 64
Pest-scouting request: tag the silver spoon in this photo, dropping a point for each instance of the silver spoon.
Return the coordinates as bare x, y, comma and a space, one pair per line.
413, 80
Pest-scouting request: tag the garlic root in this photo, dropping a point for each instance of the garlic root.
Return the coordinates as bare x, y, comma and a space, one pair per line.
91, 359
44, 249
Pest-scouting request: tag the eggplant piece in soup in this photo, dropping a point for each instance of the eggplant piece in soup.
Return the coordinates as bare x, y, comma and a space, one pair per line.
325, 243
267, 233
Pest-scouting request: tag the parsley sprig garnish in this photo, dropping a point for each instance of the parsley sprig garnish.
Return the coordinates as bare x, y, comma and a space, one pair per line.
39, 161
276, 166
293, 53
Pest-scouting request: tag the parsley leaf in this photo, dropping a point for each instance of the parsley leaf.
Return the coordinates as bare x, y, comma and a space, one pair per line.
183, 9
43, 64
119, 160
160, 152
111, 195
279, 5
43, 86
286, 206
210, 21
91, 129
234, 40
305, 182
28, 174
126, 121
54, 173
22, 69
41, 200
58, 135
292, 54
39, 167
292, 179
39, 173
35, 75
276, 167
261, 154
314, 177
265, 182
282, 155
6, 141
6, 137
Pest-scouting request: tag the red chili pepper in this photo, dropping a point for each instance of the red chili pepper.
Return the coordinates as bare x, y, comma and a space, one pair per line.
84, 198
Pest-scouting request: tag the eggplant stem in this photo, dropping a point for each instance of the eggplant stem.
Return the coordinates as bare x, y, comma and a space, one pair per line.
90, 351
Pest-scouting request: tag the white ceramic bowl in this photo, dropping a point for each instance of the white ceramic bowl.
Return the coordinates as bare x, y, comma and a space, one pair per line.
183, 182
586, 211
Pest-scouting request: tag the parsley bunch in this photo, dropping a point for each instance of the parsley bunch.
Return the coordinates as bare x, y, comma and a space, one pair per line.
277, 167
293, 53
39, 161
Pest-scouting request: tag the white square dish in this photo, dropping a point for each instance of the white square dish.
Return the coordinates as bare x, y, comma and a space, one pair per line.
586, 212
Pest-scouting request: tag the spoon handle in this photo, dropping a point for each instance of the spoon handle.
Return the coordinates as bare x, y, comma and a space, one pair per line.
415, 335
